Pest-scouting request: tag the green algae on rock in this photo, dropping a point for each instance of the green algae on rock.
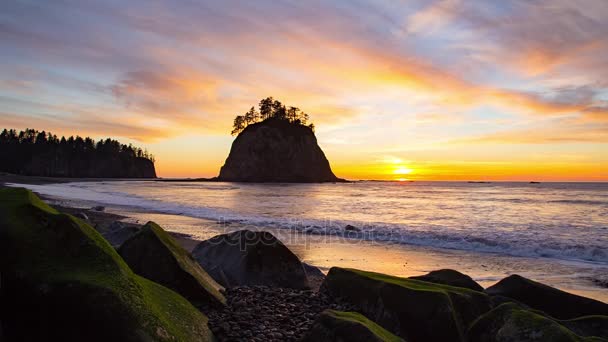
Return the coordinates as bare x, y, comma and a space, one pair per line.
450, 277
412, 309
62, 281
510, 322
555, 302
154, 254
334, 325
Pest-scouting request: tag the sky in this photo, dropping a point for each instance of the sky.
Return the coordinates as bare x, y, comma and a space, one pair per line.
398, 90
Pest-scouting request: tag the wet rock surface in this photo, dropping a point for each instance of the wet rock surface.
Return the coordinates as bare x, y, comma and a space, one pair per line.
262, 313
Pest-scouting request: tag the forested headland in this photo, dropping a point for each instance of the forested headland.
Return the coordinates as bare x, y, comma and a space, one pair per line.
39, 153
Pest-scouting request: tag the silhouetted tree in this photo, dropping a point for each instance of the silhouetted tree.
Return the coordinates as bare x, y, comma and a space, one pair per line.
266, 107
270, 109
278, 110
31, 152
251, 116
238, 125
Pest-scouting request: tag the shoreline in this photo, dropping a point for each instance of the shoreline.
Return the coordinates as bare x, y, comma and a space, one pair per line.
585, 278
326, 251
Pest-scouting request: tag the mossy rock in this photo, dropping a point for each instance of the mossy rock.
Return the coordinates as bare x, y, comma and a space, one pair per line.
450, 277
154, 254
511, 323
588, 326
62, 281
412, 309
557, 303
338, 326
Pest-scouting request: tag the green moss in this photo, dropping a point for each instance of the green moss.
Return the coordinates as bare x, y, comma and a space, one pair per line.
185, 260
414, 309
358, 318
418, 285
511, 322
55, 253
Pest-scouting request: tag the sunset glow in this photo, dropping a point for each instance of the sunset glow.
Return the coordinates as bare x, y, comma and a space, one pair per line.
402, 170
423, 90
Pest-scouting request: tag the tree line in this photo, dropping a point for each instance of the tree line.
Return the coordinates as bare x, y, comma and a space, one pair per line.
269, 108
42, 153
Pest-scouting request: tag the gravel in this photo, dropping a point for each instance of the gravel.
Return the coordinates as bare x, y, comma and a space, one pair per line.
261, 313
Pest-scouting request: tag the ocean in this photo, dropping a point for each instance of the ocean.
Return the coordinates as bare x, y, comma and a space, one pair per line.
555, 233
553, 220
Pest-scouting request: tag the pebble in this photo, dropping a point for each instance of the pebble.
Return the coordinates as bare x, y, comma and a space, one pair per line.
262, 313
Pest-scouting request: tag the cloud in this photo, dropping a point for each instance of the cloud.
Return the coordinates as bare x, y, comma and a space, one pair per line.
558, 133
172, 67
432, 17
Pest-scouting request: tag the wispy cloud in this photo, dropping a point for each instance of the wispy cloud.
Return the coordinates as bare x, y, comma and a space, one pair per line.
147, 70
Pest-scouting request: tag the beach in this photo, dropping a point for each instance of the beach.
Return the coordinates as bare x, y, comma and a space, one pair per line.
328, 249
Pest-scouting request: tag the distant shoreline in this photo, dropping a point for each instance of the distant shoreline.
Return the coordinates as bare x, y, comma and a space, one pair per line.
37, 180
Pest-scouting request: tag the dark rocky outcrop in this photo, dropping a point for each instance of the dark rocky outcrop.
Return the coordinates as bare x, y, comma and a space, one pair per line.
276, 150
557, 303
154, 254
61, 281
450, 277
250, 258
334, 325
511, 323
413, 309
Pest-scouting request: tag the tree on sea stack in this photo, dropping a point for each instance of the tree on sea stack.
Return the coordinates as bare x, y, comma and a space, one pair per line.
269, 108
275, 144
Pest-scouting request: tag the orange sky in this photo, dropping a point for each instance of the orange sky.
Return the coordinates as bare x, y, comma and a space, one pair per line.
440, 90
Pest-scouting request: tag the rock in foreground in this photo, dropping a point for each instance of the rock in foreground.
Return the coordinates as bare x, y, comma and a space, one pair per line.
333, 326
450, 277
511, 323
251, 258
413, 309
61, 281
155, 255
276, 150
556, 303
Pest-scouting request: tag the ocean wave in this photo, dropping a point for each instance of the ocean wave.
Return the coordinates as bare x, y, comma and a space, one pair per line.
481, 239
575, 201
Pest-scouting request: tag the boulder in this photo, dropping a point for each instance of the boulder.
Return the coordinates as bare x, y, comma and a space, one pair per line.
276, 150
119, 232
450, 277
558, 304
99, 208
511, 323
412, 309
154, 254
81, 215
251, 258
333, 326
588, 326
61, 281
351, 228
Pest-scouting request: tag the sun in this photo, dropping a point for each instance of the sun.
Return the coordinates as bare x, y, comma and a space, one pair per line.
402, 170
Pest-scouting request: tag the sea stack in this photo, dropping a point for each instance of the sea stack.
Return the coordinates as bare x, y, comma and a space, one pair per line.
277, 150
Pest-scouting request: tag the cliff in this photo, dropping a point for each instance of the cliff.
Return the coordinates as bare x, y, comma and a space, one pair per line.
276, 150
